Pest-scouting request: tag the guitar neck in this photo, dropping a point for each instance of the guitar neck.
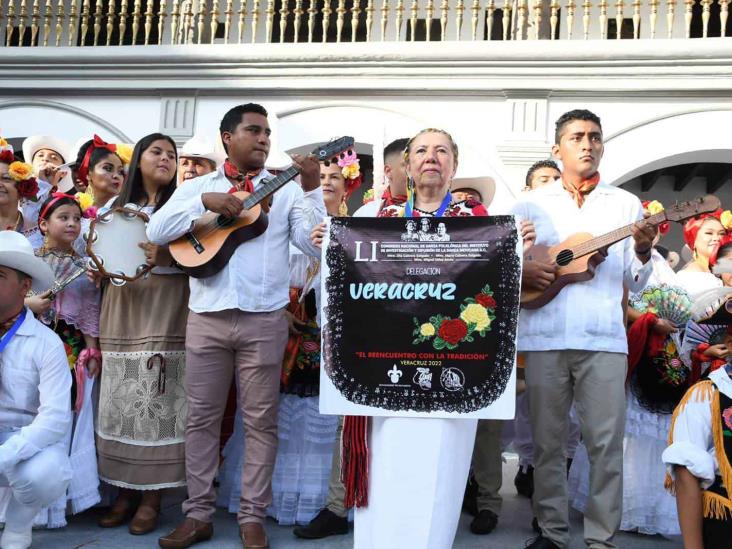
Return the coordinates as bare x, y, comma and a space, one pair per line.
269, 187
595, 244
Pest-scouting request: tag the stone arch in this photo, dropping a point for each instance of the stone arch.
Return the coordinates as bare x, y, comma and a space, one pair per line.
678, 138
24, 117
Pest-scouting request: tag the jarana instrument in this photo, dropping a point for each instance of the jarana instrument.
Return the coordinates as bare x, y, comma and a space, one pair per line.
207, 248
579, 255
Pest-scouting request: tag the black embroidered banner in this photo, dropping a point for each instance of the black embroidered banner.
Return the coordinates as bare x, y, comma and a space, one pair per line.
419, 315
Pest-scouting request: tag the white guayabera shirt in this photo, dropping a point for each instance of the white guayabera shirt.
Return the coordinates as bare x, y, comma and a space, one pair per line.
35, 393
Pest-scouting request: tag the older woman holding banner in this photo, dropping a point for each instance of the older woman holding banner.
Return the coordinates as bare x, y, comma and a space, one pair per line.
417, 468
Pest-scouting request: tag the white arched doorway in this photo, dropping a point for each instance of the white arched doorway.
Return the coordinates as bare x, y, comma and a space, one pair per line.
673, 158
21, 118
378, 127
700, 136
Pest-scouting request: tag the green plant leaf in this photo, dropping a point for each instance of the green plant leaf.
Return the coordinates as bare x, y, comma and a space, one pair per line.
439, 343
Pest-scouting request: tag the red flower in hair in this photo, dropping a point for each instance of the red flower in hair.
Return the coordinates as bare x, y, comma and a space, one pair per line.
7, 157
28, 189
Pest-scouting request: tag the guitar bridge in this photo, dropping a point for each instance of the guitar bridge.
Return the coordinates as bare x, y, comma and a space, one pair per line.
195, 243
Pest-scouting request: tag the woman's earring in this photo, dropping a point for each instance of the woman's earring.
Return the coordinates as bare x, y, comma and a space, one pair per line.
343, 209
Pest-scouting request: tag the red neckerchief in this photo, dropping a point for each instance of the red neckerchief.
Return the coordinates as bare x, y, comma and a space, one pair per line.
5, 326
389, 200
585, 187
244, 181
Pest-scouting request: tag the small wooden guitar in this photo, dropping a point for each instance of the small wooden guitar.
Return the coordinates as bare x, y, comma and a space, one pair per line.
207, 248
579, 255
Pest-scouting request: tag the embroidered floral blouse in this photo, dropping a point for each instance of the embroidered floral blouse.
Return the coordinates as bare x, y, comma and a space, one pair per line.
464, 208
79, 303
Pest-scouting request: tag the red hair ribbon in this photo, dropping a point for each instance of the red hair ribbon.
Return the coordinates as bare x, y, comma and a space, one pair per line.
97, 143
55, 198
691, 227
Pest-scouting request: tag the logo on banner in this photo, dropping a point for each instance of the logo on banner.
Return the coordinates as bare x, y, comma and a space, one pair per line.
423, 378
452, 379
394, 374
426, 231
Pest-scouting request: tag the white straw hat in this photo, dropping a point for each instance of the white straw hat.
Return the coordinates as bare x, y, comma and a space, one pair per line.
485, 186
35, 143
200, 146
16, 252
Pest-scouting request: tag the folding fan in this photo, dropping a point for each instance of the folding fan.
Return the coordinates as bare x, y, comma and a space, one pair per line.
713, 307
667, 302
713, 334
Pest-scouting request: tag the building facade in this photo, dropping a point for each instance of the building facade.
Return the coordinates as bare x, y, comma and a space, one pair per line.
664, 102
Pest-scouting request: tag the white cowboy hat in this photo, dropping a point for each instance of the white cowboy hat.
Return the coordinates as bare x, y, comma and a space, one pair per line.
200, 146
16, 252
485, 186
35, 143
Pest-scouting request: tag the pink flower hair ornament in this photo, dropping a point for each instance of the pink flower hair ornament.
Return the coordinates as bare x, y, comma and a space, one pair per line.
351, 170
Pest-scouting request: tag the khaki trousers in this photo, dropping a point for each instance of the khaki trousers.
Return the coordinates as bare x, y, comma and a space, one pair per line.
336, 489
219, 345
488, 464
596, 382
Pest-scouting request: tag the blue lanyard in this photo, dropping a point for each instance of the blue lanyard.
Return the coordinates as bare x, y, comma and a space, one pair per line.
408, 208
11, 332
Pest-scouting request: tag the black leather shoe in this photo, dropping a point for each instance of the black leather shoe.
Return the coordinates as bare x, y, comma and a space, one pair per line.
524, 481
540, 542
484, 522
325, 524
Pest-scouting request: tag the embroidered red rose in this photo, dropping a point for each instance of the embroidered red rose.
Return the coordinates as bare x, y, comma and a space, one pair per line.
487, 301
27, 188
453, 330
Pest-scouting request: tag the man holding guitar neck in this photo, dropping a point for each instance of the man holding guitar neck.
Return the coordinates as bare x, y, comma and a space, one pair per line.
237, 322
575, 345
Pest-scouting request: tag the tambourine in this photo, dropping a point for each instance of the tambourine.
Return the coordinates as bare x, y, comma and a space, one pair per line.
112, 244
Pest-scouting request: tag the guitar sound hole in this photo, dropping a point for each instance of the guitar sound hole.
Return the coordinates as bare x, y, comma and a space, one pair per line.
223, 221
564, 258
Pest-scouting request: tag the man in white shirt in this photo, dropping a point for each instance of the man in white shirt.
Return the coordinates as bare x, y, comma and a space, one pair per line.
575, 346
237, 322
35, 395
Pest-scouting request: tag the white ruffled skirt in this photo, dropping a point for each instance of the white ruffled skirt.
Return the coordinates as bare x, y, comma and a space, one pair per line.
83, 490
647, 507
302, 470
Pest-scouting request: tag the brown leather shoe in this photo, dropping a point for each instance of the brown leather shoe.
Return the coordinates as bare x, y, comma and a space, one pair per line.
187, 533
122, 511
253, 536
145, 520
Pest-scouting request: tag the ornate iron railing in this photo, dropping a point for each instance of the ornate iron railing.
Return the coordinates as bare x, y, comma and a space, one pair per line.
32, 23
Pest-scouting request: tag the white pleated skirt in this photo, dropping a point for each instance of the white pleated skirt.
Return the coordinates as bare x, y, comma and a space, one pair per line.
417, 476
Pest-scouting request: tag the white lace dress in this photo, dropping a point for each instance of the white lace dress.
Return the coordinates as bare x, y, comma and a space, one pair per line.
647, 507
306, 444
